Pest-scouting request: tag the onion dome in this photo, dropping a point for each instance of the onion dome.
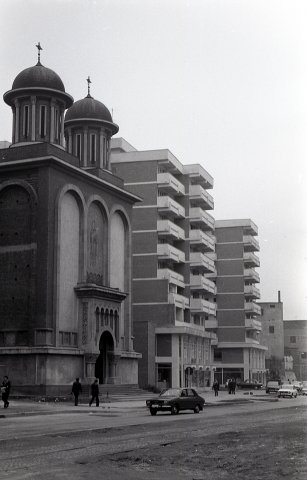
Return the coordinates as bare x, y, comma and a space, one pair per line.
88, 109
35, 80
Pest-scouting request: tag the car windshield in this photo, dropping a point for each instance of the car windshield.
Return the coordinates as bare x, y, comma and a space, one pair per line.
171, 392
287, 386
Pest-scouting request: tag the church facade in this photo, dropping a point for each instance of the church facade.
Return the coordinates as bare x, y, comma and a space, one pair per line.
65, 243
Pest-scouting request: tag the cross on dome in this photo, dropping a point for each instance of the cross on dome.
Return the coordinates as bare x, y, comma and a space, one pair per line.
88, 87
39, 48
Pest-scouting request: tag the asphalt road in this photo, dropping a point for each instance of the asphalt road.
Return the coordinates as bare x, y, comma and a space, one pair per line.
243, 441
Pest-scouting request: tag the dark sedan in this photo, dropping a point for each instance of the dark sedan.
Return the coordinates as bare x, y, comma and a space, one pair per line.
176, 399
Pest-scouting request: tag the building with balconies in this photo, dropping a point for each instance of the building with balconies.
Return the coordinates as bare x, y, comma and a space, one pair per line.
173, 253
239, 352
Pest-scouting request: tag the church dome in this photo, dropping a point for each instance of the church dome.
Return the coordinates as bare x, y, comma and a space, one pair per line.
88, 109
40, 77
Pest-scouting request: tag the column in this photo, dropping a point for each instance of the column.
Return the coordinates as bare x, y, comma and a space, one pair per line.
52, 103
14, 124
69, 141
17, 109
85, 147
62, 140
101, 152
33, 103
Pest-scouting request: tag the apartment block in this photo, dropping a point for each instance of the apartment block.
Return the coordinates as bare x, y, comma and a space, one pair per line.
239, 352
173, 293
272, 336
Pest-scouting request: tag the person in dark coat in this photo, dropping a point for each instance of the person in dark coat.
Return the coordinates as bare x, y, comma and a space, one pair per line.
95, 393
5, 391
76, 390
216, 387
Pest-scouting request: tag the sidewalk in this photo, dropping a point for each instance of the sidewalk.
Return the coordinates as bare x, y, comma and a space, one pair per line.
120, 406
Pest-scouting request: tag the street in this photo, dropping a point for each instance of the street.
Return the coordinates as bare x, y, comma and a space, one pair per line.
257, 439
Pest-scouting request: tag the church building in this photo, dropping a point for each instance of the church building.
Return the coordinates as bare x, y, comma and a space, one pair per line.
65, 242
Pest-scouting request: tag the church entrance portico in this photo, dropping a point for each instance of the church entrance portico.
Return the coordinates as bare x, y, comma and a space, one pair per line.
103, 367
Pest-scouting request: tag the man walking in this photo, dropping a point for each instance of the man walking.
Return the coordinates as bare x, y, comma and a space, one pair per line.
95, 393
76, 390
5, 391
216, 387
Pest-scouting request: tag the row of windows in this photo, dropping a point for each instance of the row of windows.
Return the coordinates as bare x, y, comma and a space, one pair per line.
42, 121
93, 147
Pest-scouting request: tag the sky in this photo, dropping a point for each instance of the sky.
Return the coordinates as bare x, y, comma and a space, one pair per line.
222, 83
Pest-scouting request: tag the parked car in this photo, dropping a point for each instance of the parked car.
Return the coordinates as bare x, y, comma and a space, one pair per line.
287, 391
272, 387
176, 399
298, 385
250, 384
304, 388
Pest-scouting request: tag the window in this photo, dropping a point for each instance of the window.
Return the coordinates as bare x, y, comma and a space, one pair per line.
78, 145
93, 148
292, 339
272, 306
271, 329
42, 129
26, 112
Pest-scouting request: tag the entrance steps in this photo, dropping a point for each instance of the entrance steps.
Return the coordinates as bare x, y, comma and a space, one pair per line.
119, 393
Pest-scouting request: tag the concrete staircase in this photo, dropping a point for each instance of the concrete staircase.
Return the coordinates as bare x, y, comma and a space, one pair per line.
119, 393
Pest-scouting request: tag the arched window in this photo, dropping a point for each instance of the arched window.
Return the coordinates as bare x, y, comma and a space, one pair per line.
102, 317
97, 320
111, 319
107, 318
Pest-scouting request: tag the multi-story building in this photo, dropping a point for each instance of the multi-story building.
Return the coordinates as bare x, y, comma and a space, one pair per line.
239, 353
272, 336
65, 243
295, 337
173, 257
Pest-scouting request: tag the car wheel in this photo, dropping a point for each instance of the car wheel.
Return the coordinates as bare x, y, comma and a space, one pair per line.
174, 410
196, 409
153, 411
279, 396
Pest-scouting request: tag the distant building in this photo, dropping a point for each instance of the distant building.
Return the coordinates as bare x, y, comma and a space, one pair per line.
295, 334
272, 336
173, 265
65, 243
239, 352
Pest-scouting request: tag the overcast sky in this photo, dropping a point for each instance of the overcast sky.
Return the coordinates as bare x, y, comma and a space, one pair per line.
221, 83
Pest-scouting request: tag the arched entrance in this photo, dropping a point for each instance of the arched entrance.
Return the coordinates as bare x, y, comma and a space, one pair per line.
103, 365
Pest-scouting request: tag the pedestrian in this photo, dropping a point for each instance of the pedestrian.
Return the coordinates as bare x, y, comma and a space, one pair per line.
95, 393
76, 390
230, 386
233, 386
5, 391
216, 387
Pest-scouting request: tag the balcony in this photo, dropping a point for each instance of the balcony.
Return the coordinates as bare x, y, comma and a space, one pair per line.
199, 305
178, 300
199, 175
168, 228
251, 275
251, 291
250, 244
166, 251
251, 260
172, 277
169, 207
198, 216
202, 241
170, 184
252, 308
200, 196
252, 324
201, 262
211, 324
199, 282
